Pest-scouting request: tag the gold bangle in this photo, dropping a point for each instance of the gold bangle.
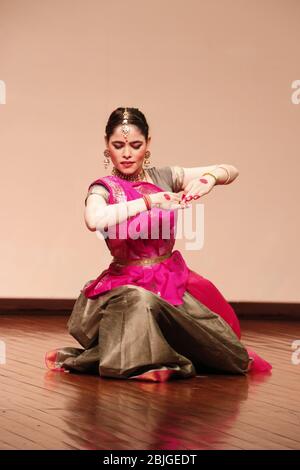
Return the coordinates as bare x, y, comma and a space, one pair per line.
211, 174
224, 168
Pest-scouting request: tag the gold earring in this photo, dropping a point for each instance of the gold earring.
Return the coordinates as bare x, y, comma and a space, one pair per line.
147, 159
106, 160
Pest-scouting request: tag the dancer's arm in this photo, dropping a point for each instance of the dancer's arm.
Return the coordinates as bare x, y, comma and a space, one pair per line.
221, 174
99, 215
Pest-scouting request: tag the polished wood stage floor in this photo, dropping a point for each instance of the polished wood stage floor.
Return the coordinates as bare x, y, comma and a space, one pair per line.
41, 409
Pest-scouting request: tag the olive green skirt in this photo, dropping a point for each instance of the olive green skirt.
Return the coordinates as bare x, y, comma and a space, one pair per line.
129, 331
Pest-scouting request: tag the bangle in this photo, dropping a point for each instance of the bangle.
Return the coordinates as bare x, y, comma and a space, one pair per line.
147, 201
211, 174
224, 168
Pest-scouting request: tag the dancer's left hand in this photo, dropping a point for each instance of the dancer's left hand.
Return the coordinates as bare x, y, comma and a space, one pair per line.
198, 187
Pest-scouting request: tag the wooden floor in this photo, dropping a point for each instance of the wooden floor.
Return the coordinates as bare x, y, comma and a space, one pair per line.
40, 409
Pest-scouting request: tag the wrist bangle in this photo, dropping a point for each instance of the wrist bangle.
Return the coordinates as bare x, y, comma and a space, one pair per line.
147, 201
211, 174
228, 174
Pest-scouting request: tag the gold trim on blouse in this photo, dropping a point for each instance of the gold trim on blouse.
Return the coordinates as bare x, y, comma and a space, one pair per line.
98, 189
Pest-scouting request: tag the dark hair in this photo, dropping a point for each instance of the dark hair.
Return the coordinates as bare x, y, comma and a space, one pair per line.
136, 117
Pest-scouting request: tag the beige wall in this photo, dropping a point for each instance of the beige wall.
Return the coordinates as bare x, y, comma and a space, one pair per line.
214, 80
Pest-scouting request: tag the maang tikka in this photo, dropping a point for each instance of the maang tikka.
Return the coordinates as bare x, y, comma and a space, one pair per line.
125, 129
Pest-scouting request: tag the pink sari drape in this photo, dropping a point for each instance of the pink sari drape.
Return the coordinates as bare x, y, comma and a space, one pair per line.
169, 278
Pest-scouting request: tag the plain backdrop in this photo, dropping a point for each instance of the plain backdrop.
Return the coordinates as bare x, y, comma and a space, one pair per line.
214, 79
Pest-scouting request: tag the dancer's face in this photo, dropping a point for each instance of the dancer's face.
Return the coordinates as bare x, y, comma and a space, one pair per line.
132, 150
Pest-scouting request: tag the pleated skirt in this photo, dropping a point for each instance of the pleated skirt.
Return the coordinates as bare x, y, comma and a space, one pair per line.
132, 333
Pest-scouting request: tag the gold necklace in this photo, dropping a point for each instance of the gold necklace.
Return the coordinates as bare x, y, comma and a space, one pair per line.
141, 176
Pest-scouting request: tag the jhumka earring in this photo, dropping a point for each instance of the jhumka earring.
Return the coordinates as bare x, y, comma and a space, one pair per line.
147, 159
106, 160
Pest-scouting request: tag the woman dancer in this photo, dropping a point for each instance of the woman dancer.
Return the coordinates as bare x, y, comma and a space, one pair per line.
148, 316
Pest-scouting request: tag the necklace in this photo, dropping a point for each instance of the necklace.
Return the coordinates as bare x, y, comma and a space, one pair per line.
141, 176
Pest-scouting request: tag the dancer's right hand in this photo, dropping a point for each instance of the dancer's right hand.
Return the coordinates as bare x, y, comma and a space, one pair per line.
167, 200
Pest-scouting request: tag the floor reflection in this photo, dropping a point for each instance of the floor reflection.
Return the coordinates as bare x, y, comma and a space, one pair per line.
181, 414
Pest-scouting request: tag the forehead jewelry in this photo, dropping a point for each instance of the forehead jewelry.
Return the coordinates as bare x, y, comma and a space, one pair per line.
125, 127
